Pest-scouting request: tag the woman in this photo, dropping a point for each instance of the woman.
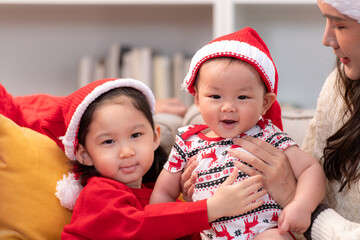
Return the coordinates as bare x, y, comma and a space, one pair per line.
333, 136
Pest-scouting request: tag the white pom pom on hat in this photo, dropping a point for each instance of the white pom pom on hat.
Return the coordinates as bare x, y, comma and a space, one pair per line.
68, 190
73, 108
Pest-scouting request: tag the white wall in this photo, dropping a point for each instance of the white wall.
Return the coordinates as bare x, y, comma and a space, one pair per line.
293, 34
40, 46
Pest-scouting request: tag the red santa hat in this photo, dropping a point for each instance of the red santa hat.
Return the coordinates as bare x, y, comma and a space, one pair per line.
247, 46
73, 108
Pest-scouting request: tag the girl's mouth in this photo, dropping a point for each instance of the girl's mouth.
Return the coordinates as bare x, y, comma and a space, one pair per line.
129, 169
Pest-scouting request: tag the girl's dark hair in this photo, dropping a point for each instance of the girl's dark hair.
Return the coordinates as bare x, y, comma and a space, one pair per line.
342, 151
140, 102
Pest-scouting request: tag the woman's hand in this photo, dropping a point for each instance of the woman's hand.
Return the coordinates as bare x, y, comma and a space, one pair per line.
271, 163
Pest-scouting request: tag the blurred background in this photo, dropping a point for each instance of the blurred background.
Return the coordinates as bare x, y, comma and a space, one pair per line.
54, 47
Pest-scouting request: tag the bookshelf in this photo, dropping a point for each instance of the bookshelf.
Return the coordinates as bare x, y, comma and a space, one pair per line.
41, 41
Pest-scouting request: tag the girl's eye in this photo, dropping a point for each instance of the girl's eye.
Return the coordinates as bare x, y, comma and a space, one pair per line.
242, 97
108, 141
215, 96
136, 135
340, 27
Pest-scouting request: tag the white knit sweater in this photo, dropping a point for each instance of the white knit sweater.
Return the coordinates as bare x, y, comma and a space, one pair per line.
327, 120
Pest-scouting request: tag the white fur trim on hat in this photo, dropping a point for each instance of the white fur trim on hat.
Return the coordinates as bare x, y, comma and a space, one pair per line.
68, 190
71, 132
232, 48
350, 8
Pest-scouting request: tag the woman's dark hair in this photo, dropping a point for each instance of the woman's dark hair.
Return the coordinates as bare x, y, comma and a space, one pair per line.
342, 151
140, 102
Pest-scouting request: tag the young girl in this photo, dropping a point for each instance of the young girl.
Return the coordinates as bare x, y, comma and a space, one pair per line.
111, 137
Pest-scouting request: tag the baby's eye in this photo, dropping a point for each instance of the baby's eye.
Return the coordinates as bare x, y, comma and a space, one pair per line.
215, 97
136, 135
242, 97
108, 141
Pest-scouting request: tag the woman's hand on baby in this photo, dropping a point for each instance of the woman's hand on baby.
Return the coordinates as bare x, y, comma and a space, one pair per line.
269, 162
296, 217
235, 199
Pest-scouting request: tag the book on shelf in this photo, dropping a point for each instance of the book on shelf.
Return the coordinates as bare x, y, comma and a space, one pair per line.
100, 69
187, 98
163, 73
115, 59
112, 65
163, 87
137, 64
180, 66
90, 69
85, 70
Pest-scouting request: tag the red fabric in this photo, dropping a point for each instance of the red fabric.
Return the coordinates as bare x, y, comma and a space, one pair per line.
28, 111
107, 209
274, 114
39, 112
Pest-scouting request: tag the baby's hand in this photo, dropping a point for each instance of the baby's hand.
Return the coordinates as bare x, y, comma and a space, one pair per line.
234, 199
296, 217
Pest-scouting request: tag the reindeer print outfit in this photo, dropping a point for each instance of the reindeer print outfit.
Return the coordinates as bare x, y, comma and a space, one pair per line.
215, 165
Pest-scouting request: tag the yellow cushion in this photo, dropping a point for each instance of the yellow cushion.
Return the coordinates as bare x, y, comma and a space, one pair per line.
30, 166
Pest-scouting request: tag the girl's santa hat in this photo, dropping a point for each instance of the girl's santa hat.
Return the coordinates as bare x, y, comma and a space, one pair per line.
73, 108
247, 46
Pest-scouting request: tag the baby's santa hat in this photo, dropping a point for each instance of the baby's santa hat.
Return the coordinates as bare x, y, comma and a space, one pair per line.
73, 108
247, 46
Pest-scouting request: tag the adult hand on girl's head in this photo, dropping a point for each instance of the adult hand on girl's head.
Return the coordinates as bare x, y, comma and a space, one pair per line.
271, 163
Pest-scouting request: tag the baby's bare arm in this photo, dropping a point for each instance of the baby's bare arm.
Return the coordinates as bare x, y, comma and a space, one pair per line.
309, 192
310, 177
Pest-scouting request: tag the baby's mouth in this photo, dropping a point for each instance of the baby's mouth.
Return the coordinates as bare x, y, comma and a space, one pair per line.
228, 121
